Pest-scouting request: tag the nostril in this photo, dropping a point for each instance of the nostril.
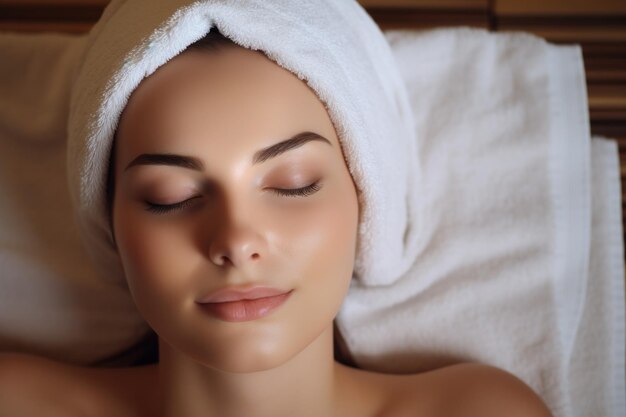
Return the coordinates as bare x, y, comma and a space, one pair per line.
255, 256
221, 260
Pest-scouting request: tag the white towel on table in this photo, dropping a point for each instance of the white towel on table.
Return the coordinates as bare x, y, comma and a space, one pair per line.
503, 132
596, 367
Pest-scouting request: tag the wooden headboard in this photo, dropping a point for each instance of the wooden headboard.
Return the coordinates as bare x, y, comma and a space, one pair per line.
599, 26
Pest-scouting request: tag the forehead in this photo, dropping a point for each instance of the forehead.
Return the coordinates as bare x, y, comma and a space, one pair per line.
229, 94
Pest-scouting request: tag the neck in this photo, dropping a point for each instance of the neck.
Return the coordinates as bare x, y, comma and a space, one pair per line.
304, 385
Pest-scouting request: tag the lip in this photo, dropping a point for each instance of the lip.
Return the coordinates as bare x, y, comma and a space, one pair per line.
243, 304
227, 294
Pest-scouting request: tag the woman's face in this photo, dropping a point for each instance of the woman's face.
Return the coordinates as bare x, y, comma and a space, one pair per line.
205, 201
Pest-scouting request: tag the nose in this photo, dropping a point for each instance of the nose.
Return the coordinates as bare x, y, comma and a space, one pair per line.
236, 245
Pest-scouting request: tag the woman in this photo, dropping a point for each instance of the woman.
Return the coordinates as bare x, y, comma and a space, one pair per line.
236, 219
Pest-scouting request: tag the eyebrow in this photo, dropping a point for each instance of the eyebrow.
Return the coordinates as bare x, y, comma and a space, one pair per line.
286, 145
260, 156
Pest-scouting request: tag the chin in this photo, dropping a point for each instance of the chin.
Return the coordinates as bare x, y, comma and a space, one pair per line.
247, 358
234, 348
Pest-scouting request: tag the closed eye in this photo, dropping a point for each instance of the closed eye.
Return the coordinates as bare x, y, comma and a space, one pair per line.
298, 192
287, 192
166, 208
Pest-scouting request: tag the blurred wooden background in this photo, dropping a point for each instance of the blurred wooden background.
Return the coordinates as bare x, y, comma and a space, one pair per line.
599, 26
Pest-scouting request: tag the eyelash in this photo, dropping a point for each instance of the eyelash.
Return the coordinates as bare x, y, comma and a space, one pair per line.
298, 192
293, 192
166, 208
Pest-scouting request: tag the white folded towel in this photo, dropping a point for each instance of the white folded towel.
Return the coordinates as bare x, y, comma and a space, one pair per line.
596, 368
503, 132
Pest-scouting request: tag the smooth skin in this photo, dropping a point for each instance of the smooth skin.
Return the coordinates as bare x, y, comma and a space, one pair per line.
225, 218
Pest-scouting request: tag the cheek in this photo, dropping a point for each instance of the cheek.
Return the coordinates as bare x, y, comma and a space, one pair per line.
339, 219
151, 256
321, 241
319, 231
333, 237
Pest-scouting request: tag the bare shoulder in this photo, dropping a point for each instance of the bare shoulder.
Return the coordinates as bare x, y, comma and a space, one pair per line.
35, 386
468, 389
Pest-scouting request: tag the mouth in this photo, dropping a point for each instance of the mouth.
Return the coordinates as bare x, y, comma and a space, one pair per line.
237, 305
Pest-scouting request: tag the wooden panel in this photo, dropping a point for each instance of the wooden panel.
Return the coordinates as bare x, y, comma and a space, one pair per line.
415, 18
610, 28
422, 14
559, 7
73, 16
55, 3
428, 4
